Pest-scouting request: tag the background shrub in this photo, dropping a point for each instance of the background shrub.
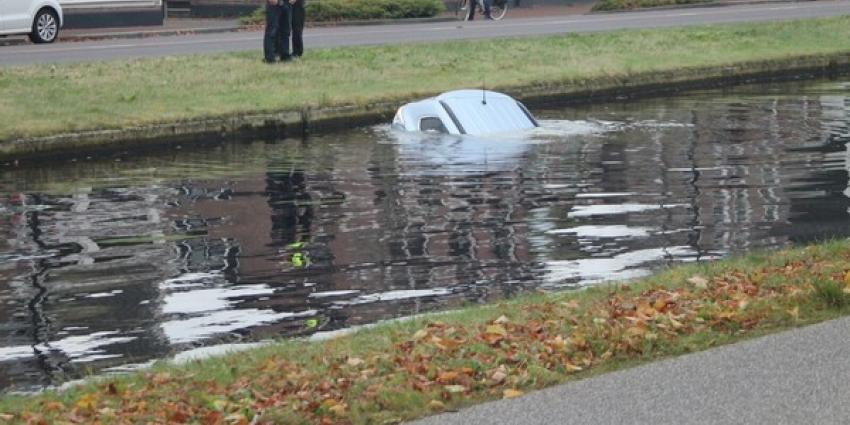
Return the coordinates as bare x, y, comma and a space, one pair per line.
637, 4
356, 10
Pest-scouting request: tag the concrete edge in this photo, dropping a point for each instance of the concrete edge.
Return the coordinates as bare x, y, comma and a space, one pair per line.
216, 30
703, 5
301, 122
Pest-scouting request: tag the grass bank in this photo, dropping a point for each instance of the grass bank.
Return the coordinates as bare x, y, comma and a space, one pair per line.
219, 93
405, 370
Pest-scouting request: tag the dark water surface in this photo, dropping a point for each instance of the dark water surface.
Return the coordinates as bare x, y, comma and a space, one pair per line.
119, 260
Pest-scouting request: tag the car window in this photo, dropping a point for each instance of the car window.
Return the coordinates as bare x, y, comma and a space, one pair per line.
432, 125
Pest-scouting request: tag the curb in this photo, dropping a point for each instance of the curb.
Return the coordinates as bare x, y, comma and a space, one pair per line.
301, 122
216, 30
702, 5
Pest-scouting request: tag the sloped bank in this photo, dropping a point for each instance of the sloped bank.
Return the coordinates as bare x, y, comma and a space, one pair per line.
298, 123
143, 103
403, 370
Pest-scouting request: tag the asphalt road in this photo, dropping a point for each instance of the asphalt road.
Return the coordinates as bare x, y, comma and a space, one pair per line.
385, 34
796, 377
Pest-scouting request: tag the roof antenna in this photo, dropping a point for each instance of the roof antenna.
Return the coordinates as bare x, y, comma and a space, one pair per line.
483, 91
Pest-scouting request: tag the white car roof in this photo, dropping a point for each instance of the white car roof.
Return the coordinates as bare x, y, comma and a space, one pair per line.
473, 112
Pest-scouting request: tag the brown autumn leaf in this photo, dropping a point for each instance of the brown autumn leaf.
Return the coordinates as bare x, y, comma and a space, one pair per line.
422, 333
354, 361
87, 403
6, 417
511, 393
492, 339
571, 367
447, 377
498, 377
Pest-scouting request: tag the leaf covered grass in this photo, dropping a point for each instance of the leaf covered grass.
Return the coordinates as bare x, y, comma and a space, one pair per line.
403, 370
42, 100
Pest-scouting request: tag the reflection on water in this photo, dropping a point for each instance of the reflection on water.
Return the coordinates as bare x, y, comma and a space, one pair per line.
109, 262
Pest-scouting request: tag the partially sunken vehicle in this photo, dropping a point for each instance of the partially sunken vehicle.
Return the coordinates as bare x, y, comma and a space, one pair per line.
472, 112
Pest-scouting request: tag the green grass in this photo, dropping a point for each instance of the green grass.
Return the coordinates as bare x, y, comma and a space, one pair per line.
404, 370
44, 100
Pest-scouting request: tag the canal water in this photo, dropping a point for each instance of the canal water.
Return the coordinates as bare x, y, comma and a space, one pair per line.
115, 260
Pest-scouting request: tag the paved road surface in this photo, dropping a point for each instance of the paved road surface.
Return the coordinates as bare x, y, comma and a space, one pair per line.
384, 34
797, 377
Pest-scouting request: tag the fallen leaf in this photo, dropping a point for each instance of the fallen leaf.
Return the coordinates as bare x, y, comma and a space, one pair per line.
354, 361
698, 281
87, 402
6, 417
455, 388
511, 393
498, 377
422, 333
447, 377
501, 320
570, 304
795, 313
436, 405
496, 330
339, 410
571, 367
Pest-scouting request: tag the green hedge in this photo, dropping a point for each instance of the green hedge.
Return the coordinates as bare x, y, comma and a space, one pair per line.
637, 4
356, 10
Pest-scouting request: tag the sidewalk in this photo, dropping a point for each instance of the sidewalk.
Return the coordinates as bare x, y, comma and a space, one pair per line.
173, 26
794, 377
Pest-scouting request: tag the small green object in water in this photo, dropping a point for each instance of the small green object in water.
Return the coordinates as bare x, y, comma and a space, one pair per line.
311, 323
298, 259
295, 245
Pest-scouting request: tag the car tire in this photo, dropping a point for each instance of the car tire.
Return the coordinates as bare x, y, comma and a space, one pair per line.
45, 27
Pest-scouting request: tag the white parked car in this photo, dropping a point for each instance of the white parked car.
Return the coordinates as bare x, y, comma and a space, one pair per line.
472, 112
40, 19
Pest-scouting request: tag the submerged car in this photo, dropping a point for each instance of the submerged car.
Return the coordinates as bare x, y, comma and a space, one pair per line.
473, 112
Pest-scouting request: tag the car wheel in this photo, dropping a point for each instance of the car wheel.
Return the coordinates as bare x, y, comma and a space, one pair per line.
45, 27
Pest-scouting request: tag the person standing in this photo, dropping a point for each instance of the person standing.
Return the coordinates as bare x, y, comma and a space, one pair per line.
298, 16
276, 37
472, 7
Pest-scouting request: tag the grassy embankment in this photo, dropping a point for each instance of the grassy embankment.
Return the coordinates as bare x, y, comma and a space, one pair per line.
44, 100
404, 370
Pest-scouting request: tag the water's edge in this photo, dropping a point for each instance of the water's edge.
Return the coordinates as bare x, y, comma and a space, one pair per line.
298, 123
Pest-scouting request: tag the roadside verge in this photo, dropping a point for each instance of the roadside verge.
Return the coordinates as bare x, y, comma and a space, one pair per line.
404, 370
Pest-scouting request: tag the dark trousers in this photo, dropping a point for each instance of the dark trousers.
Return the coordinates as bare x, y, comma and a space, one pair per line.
473, 5
276, 39
298, 28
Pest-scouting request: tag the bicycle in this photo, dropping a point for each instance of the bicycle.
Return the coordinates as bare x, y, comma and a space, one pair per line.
498, 8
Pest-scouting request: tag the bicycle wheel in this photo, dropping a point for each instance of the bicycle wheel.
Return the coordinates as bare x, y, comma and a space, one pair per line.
461, 9
498, 9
